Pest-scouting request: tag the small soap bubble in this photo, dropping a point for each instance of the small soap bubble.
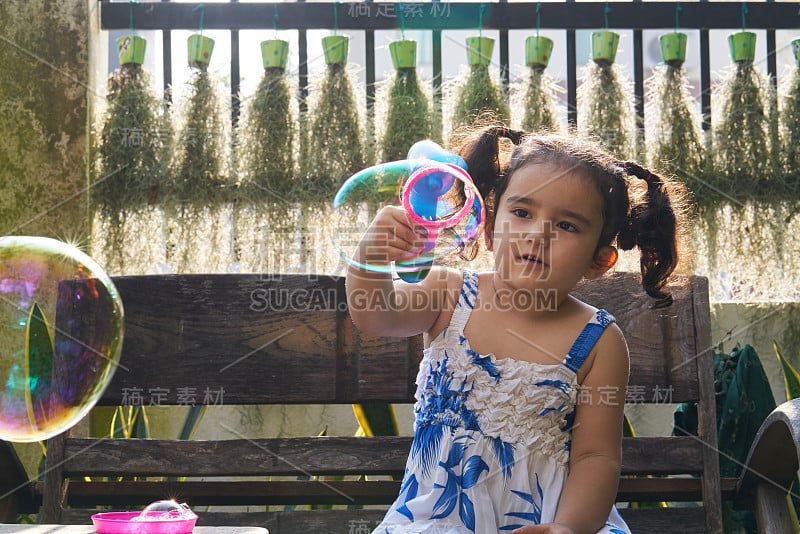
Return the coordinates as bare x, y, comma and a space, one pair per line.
166, 510
437, 194
61, 326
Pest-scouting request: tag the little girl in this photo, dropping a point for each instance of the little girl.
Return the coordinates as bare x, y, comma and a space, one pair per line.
521, 389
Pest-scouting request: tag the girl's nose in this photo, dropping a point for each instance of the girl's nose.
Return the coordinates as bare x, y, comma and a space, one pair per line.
541, 231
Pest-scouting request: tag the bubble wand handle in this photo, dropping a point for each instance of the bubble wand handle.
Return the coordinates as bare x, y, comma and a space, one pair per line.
420, 197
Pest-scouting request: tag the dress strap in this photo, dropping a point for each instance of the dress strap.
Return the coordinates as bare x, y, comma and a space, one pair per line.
466, 301
586, 339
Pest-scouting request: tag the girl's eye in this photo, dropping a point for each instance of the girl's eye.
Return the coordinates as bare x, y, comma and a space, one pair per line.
567, 226
519, 212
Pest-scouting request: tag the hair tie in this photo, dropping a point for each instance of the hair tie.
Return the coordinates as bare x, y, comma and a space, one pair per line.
514, 135
640, 172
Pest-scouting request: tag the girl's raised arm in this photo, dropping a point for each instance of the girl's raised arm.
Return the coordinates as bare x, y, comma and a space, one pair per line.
380, 306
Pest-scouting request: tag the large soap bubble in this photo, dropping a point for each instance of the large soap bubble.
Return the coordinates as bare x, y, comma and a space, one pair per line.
437, 193
60, 336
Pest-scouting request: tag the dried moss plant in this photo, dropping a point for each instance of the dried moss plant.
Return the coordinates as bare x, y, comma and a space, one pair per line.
790, 131
674, 141
201, 173
134, 144
334, 146
266, 145
478, 96
540, 101
742, 158
408, 118
200, 187
606, 109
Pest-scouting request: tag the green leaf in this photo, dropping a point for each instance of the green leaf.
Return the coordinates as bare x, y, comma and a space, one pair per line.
130, 422
141, 424
116, 429
376, 418
192, 421
627, 427
38, 367
791, 378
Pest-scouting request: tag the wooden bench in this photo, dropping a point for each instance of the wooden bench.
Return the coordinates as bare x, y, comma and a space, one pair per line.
289, 340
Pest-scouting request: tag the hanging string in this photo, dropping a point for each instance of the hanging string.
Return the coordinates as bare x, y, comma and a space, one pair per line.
335, 17
606, 11
678, 10
538, 17
744, 16
275, 18
480, 20
202, 8
401, 9
130, 16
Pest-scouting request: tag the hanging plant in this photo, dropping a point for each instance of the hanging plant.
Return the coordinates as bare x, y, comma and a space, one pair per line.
674, 141
478, 96
606, 109
200, 175
790, 125
408, 118
540, 91
267, 136
132, 157
743, 164
131, 168
335, 148
266, 219
199, 186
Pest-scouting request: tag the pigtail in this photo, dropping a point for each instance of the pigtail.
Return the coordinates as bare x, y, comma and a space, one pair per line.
652, 227
482, 154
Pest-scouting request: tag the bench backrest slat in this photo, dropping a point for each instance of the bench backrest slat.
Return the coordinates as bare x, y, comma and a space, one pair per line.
316, 456
292, 336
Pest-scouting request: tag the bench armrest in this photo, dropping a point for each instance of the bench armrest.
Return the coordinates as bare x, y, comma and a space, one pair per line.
770, 469
16, 490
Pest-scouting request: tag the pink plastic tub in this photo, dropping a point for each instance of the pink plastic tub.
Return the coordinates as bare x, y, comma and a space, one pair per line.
155, 523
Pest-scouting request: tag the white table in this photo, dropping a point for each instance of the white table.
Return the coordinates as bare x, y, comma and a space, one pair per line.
6, 528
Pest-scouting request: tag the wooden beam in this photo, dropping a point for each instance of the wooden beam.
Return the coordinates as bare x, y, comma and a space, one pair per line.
449, 16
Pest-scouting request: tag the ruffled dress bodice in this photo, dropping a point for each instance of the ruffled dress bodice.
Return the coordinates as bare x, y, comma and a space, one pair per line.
491, 436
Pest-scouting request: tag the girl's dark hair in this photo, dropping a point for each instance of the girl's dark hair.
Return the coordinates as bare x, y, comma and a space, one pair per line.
642, 212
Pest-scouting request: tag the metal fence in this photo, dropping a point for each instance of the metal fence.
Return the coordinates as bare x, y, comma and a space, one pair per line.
436, 17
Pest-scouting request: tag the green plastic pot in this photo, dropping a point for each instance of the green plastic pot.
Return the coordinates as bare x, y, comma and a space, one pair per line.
479, 50
538, 49
274, 53
199, 48
742, 46
131, 49
673, 48
604, 46
404, 54
335, 48
796, 50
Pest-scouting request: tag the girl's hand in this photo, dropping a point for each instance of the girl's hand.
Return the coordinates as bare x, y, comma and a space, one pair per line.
547, 528
390, 237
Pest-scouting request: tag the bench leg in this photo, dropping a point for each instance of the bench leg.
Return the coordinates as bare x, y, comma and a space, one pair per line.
772, 510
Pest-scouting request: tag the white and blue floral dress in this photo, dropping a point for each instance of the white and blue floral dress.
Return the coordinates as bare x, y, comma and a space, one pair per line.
491, 436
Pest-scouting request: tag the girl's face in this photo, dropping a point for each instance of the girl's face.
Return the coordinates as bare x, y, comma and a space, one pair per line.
546, 230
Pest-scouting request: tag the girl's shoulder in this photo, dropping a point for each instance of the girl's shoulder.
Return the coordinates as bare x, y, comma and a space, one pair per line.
446, 284
610, 350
